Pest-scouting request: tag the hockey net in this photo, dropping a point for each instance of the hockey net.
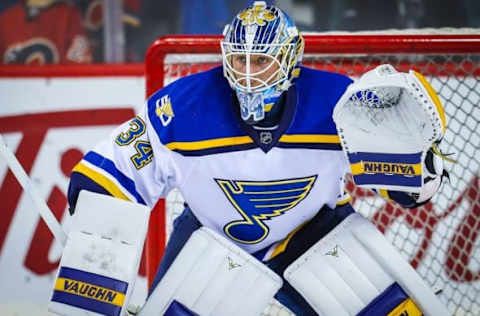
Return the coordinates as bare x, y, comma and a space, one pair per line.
439, 239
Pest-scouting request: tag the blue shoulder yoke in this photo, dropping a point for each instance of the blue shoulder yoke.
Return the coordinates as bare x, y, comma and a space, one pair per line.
195, 115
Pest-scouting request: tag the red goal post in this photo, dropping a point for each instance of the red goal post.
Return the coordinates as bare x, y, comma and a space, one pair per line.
314, 44
439, 239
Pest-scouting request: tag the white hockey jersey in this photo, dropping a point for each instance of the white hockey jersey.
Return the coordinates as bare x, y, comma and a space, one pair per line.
255, 187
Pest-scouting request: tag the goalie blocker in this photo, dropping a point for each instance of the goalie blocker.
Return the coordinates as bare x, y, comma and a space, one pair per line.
100, 261
387, 122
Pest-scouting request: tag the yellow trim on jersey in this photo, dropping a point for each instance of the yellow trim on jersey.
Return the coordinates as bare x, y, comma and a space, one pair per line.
434, 96
283, 244
101, 180
386, 167
344, 201
210, 143
306, 138
407, 307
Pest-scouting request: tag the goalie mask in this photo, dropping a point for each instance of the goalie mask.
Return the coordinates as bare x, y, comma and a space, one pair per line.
261, 51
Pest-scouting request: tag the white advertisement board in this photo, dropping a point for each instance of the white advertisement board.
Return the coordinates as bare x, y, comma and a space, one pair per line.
49, 123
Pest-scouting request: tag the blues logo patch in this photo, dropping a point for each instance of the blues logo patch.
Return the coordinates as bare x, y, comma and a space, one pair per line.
259, 201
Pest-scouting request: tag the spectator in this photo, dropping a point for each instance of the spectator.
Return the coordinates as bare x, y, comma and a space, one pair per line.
92, 12
43, 32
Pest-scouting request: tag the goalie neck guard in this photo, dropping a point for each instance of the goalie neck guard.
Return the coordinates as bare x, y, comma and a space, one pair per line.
261, 51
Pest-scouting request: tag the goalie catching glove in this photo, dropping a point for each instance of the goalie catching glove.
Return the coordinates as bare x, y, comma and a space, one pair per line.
389, 125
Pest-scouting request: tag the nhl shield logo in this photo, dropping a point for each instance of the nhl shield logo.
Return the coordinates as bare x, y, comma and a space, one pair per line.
164, 110
266, 137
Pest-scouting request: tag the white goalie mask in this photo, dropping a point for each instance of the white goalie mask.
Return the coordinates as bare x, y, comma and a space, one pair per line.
261, 51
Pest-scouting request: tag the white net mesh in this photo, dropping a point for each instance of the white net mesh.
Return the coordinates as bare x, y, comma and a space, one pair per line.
439, 239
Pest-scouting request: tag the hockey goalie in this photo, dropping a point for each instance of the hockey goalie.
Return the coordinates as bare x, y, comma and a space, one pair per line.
259, 148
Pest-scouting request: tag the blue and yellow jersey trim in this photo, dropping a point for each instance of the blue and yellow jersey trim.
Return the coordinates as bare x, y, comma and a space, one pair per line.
311, 141
103, 172
101, 180
238, 143
206, 121
212, 146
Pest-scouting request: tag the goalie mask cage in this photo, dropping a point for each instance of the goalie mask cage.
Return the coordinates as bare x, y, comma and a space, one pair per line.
441, 239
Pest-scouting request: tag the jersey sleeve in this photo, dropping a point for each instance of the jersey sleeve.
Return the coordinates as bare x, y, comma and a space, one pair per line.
131, 164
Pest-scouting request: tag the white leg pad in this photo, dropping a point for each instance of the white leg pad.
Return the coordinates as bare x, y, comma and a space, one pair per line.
101, 258
213, 276
343, 272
